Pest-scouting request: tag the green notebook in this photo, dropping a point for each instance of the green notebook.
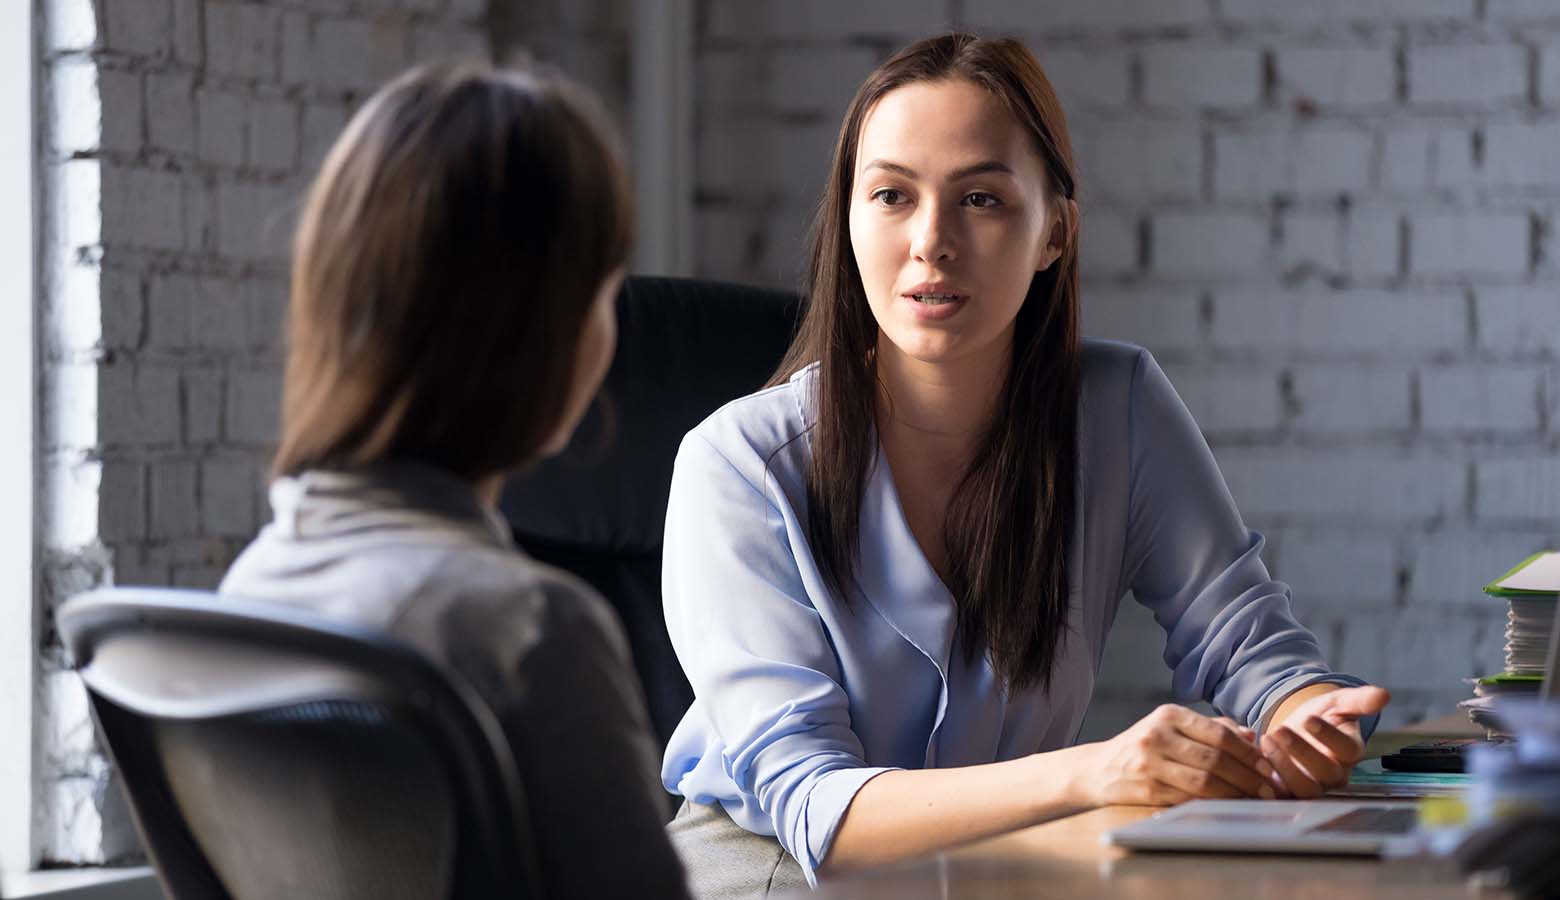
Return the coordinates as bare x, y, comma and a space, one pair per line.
1537, 576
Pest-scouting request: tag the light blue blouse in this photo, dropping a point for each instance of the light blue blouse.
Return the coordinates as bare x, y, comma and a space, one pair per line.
800, 699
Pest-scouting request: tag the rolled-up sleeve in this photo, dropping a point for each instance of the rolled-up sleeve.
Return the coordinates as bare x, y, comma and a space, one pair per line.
758, 655
1232, 638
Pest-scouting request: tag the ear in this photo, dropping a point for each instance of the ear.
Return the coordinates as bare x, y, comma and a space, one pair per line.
1064, 229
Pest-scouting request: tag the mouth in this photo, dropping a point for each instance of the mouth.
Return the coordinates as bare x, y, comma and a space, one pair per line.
935, 299
935, 293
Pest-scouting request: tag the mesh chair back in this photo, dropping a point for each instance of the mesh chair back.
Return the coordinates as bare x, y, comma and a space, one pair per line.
269, 754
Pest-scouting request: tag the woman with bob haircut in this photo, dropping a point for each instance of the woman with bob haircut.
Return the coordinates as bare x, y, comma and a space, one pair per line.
452, 315
890, 574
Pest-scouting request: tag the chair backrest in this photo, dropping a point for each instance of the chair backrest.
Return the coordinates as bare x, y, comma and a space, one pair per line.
685, 348
269, 753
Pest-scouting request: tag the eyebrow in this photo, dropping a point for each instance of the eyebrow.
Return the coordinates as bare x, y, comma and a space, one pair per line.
981, 168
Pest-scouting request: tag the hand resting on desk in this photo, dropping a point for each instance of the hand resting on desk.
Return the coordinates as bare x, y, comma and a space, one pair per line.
1173, 755
1314, 740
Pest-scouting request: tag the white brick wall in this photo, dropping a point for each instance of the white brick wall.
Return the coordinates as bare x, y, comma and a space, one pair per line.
1334, 222
180, 134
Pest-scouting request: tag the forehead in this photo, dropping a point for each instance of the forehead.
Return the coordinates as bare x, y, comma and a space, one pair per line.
933, 126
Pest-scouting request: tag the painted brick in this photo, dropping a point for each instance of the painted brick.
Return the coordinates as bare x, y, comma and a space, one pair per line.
217, 315
171, 300
122, 502
188, 44
123, 313
1522, 11
199, 214
202, 405
138, 27
350, 54
1129, 164
220, 118
1337, 76
227, 499
1357, 567
1073, 15
802, 165
1467, 75
241, 38
264, 313
70, 418
322, 123
1161, 320
253, 401
1452, 568
174, 505
1405, 159
1354, 322
824, 19
1328, 12
730, 243
1209, 243
731, 83
1463, 244
1108, 243
1085, 79
448, 43
170, 112
252, 221
1340, 486
1312, 242
1332, 161
73, 84
273, 134
1199, 77
137, 405
1251, 165
1522, 155
820, 80
297, 46
142, 209
1549, 75
1353, 398
1519, 320
1372, 242
123, 113
1397, 650
1483, 399
70, 25
1517, 489
1229, 400
735, 158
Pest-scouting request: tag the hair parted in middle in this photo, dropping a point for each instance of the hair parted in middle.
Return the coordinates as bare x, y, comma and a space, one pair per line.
1010, 518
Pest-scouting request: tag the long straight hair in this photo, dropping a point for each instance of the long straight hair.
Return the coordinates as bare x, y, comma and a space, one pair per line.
1009, 521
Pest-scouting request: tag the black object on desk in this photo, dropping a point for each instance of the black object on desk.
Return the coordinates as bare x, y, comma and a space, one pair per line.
1441, 755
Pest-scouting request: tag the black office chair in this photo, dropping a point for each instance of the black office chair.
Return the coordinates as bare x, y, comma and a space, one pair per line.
269, 753
685, 348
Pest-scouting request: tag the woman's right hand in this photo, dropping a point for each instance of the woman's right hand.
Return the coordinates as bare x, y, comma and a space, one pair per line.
1173, 755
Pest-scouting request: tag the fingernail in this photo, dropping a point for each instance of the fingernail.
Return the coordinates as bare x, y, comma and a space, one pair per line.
1313, 725
1284, 736
1266, 792
1264, 768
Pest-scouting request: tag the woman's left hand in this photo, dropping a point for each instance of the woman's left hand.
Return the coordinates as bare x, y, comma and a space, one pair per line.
1317, 744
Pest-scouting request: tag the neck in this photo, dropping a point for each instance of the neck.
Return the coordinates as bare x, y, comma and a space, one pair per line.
940, 410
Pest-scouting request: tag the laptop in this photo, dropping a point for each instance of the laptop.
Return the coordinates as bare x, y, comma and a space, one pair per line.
1277, 826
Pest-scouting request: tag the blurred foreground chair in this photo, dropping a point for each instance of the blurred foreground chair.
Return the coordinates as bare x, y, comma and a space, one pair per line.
685, 348
271, 754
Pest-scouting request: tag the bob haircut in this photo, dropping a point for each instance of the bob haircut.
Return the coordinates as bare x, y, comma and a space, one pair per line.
1009, 521
445, 261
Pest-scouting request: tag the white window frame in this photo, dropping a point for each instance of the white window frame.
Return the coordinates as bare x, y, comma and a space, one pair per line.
18, 458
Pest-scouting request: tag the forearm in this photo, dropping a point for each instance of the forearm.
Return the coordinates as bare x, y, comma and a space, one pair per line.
907, 813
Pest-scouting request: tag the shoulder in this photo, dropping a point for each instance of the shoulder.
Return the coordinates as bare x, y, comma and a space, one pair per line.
1108, 364
758, 435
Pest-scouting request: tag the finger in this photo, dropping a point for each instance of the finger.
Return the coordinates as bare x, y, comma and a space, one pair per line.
1345, 747
1195, 782
1206, 731
1318, 764
1296, 780
1241, 731
1235, 772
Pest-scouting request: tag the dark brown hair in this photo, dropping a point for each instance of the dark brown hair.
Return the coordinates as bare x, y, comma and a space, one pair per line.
1009, 521
444, 265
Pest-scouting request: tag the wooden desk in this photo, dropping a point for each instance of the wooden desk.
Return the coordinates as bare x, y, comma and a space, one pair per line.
1064, 858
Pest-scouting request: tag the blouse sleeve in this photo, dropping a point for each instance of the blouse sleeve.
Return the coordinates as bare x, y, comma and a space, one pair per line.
1231, 636
757, 653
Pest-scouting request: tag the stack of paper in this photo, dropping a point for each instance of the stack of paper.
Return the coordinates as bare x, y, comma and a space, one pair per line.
1531, 591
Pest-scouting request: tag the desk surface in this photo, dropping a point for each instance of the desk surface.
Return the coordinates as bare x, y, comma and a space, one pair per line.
1064, 858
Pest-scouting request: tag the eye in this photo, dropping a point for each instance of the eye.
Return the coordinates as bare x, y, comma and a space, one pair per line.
982, 200
888, 196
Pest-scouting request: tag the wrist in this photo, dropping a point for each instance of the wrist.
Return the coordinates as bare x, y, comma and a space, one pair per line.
1068, 769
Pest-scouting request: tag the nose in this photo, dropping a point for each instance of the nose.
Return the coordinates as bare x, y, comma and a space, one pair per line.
932, 239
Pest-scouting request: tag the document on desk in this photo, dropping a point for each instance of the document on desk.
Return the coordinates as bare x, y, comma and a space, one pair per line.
1369, 779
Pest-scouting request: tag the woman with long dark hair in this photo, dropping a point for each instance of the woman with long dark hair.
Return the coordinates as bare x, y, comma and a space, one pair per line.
890, 574
452, 314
